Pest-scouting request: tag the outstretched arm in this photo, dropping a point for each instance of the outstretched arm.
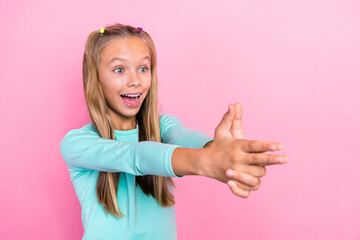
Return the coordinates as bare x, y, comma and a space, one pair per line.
84, 149
174, 132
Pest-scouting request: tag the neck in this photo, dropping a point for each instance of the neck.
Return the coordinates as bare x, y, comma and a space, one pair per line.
122, 123
124, 126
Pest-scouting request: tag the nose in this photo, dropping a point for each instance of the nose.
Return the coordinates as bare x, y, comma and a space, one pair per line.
134, 80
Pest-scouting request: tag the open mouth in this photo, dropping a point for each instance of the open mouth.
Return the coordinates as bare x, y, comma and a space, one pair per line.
130, 98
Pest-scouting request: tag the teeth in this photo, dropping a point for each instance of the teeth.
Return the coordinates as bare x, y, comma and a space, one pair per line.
132, 95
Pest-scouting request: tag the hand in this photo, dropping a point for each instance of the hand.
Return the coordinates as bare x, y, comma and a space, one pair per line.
242, 155
241, 182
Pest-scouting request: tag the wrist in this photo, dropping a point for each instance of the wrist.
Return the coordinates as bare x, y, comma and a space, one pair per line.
197, 157
187, 161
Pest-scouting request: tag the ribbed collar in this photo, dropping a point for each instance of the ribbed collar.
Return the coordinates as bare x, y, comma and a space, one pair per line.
127, 132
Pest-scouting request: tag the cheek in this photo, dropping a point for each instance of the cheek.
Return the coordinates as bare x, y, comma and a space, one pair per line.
111, 84
111, 90
108, 89
148, 82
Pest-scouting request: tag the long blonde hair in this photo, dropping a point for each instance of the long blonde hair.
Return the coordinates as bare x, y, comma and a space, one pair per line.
147, 117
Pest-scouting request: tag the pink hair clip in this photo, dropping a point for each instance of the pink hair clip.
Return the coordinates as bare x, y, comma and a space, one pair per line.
140, 28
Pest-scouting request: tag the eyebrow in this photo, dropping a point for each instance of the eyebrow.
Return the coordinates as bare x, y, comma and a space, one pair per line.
123, 59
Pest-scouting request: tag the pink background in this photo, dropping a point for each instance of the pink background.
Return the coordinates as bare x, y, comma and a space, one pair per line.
294, 65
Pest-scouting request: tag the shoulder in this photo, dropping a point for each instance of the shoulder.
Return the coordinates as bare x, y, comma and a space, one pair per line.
80, 135
168, 123
169, 120
86, 129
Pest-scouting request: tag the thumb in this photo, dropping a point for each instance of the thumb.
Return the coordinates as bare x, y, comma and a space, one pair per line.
226, 122
236, 129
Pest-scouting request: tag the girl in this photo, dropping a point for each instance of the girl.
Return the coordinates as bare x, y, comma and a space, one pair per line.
122, 163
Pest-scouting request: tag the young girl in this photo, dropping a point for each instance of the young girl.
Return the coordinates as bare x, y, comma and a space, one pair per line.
122, 163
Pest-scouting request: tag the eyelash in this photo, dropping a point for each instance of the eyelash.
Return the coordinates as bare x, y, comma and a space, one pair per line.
123, 69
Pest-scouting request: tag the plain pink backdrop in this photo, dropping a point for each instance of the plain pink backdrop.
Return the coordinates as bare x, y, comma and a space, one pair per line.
294, 65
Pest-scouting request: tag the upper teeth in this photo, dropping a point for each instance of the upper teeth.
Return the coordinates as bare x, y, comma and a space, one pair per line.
137, 95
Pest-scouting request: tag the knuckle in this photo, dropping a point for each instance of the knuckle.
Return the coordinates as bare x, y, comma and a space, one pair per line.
255, 181
273, 159
258, 184
241, 192
254, 158
257, 171
265, 147
251, 145
261, 159
237, 160
234, 160
240, 144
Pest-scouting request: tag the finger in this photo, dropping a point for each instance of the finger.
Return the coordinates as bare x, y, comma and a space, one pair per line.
246, 187
242, 177
236, 129
264, 159
257, 186
254, 170
227, 120
238, 191
256, 146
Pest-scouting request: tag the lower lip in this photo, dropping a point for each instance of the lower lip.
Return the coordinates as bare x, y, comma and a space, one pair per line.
135, 104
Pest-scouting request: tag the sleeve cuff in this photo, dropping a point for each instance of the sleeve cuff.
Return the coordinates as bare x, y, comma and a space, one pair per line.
169, 166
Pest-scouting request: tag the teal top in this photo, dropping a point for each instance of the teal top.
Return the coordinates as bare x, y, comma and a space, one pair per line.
86, 153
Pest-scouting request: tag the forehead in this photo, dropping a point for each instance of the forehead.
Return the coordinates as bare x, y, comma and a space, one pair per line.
131, 48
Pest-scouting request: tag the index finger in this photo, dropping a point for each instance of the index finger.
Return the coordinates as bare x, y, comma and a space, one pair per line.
256, 146
262, 159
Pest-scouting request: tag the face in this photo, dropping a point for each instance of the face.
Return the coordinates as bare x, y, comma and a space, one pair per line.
125, 78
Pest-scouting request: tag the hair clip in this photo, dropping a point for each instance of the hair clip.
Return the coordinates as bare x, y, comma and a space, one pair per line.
102, 30
140, 28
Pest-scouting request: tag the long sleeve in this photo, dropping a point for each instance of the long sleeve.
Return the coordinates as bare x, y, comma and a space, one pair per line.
85, 149
174, 132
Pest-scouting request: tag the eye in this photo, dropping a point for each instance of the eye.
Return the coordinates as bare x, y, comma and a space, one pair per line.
121, 70
144, 69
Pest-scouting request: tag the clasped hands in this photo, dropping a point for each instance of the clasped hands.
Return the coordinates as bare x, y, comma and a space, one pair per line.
244, 160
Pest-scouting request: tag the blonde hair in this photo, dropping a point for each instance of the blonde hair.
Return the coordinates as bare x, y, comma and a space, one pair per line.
147, 117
